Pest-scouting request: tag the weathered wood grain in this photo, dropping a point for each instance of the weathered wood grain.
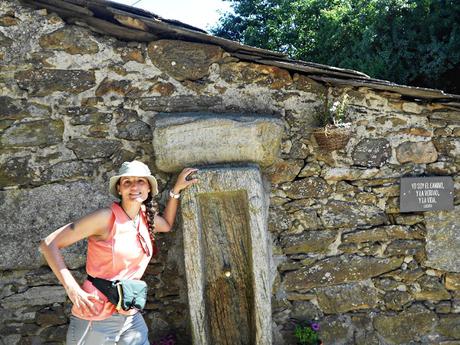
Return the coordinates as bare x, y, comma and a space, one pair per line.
228, 278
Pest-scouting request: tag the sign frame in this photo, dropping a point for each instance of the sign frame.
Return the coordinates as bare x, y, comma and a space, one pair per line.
430, 193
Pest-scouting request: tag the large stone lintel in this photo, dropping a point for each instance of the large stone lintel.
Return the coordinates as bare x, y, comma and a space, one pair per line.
190, 139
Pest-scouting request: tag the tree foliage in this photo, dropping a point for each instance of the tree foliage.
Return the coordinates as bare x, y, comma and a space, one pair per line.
415, 42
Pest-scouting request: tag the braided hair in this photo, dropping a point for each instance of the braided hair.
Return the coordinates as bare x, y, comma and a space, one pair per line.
151, 209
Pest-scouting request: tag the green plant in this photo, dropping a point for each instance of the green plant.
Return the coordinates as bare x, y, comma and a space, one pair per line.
307, 333
335, 114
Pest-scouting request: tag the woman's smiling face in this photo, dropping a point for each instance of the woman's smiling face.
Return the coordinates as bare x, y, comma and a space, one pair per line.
133, 188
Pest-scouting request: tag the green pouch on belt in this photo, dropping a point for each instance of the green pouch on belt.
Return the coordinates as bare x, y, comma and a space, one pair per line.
124, 294
134, 294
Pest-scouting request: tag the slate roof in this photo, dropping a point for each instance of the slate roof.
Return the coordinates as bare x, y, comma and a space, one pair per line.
134, 24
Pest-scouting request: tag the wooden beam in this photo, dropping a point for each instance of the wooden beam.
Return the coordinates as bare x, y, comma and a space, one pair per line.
173, 31
305, 69
66, 6
414, 92
65, 13
132, 23
119, 31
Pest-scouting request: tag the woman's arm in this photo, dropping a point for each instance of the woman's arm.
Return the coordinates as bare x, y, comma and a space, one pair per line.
165, 223
95, 224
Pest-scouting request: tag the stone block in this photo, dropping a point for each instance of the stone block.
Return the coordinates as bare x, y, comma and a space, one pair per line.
130, 126
119, 87
337, 270
33, 133
442, 168
385, 284
16, 171
42, 295
446, 115
299, 149
337, 330
416, 152
443, 240
304, 219
87, 116
93, 148
44, 276
346, 189
69, 170
99, 131
303, 83
308, 242
449, 326
406, 275
406, 248
278, 220
443, 307
348, 174
452, 281
131, 54
264, 75
184, 60
363, 331
384, 233
284, 170
412, 107
416, 131
71, 39
8, 20
164, 89
338, 214
431, 289
42, 210
16, 109
11, 339
367, 198
309, 187
305, 311
310, 169
54, 335
371, 153
409, 219
395, 329
51, 316
5, 42
346, 297
43, 82
182, 103
190, 140
397, 300
447, 146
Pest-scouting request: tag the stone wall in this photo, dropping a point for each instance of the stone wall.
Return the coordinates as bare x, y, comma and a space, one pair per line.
75, 104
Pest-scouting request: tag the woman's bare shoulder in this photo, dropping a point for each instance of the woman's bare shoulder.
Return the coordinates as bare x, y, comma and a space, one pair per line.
98, 221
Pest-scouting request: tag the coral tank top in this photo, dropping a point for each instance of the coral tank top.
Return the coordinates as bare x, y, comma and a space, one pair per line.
120, 256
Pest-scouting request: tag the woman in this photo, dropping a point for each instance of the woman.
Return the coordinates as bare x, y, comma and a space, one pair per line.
119, 247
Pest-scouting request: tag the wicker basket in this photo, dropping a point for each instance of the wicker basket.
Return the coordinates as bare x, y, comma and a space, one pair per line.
332, 138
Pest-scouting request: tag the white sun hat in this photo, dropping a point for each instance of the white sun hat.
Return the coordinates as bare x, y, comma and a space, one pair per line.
134, 168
